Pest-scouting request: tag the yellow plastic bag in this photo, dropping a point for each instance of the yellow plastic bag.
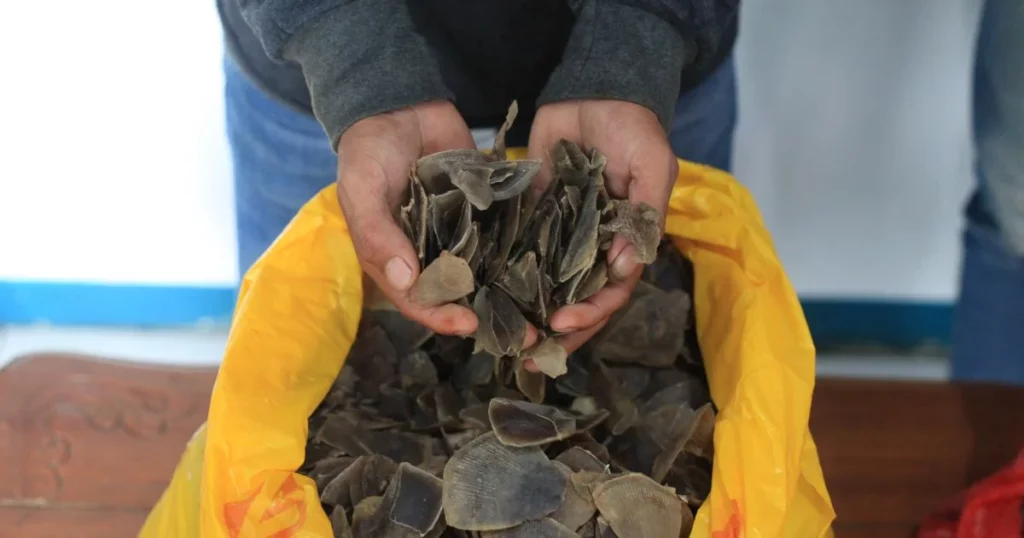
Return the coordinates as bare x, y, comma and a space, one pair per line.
296, 318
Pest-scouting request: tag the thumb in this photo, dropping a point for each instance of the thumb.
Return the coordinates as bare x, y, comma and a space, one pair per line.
651, 177
652, 174
386, 253
552, 123
442, 128
539, 149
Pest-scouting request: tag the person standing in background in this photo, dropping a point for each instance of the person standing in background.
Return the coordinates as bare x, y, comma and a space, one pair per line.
354, 91
989, 318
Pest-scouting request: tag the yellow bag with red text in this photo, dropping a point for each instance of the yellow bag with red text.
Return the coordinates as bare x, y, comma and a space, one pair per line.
296, 317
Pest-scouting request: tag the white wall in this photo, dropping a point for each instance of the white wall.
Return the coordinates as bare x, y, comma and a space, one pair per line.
853, 137
113, 165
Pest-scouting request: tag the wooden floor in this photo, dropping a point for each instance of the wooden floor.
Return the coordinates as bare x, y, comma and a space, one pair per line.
893, 452
87, 446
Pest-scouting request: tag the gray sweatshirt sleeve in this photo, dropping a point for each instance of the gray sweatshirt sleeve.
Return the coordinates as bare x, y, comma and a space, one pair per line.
359, 57
639, 50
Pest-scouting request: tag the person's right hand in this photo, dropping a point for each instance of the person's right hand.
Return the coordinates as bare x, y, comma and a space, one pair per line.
375, 156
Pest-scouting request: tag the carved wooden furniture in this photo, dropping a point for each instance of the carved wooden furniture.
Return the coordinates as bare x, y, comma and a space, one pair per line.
87, 445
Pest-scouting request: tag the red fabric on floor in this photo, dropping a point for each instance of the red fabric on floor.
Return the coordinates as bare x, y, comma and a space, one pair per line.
992, 508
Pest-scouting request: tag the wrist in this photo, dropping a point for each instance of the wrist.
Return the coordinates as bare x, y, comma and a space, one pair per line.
359, 64
619, 52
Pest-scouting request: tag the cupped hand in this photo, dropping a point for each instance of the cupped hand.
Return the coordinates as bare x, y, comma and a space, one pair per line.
375, 157
641, 168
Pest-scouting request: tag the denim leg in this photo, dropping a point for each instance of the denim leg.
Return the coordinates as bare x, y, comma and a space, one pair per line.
702, 130
281, 159
988, 325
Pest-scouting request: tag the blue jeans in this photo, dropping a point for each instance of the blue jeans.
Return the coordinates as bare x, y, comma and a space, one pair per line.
282, 157
988, 324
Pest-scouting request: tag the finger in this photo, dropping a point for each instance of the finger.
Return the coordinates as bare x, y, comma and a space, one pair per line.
375, 299
597, 307
387, 256
573, 341
448, 319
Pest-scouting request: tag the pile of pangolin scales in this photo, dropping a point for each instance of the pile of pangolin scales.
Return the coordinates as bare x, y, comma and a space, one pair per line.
425, 435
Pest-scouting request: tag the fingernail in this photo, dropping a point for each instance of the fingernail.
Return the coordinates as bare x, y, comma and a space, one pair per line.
624, 264
563, 328
465, 326
398, 273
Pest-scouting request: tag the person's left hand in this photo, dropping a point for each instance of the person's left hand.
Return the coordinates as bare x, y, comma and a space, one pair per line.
641, 168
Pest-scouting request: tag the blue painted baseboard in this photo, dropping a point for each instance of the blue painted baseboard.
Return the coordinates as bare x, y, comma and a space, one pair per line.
116, 304
899, 326
834, 323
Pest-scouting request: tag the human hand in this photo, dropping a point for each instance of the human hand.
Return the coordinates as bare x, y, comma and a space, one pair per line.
375, 156
641, 168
